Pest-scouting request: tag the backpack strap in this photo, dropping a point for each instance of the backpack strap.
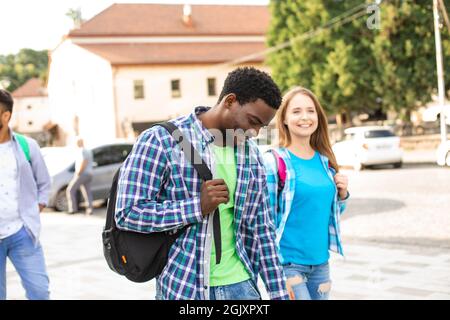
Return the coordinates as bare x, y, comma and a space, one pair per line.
281, 170
202, 169
205, 174
189, 151
24, 145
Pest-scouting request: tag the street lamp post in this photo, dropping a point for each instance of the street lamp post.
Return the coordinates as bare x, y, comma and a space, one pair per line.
440, 71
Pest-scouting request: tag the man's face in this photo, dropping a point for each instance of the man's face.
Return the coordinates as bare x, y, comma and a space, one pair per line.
248, 118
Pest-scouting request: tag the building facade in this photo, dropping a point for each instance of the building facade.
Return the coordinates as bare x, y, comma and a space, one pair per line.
136, 64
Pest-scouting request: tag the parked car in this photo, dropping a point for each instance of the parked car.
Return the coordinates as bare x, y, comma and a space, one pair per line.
368, 146
60, 162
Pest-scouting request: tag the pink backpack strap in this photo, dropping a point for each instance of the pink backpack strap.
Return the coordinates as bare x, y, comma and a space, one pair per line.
281, 168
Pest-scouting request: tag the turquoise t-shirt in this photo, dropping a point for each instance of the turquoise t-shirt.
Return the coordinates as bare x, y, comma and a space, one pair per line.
305, 237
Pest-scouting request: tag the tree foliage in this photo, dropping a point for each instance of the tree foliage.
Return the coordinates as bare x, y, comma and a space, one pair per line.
352, 66
16, 69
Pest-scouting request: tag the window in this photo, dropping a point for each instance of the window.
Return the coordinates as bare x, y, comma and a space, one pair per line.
378, 134
211, 87
113, 154
123, 151
139, 89
176, 92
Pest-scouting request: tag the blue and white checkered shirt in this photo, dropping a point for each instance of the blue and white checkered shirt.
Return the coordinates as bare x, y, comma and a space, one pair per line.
159, 190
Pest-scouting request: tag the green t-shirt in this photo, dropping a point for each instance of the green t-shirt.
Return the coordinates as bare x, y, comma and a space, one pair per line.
231, 269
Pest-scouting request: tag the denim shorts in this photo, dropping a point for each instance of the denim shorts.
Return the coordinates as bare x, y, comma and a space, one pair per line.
308, 282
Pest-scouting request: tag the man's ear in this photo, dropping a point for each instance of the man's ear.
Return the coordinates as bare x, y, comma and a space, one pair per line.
7, 115
229, 100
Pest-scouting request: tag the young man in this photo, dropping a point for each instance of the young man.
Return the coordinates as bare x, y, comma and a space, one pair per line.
24, 189
159, 190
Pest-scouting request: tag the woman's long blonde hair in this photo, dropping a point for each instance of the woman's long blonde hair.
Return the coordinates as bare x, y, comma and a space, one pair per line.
320, 140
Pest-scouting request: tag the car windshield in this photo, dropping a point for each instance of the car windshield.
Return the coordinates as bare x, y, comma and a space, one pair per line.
58, 158
378, 134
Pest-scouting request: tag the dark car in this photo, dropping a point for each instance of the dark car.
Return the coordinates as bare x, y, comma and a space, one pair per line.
61, 165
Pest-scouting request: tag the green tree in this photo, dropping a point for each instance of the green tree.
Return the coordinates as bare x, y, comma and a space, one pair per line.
350, 66
16, 69
405, 53
324, 62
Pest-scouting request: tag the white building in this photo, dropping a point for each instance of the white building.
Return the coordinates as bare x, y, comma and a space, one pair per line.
136, 64
31, 111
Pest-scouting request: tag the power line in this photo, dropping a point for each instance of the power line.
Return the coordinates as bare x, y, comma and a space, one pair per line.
339, 20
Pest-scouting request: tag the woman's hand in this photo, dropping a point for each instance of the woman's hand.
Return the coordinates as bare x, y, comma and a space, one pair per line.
342, 184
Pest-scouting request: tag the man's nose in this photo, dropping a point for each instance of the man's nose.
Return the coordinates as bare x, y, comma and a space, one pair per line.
257, 130
253, 132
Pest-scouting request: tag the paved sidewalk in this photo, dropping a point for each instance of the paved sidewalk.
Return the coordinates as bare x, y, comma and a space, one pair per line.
381, 271
78, 270
420, 156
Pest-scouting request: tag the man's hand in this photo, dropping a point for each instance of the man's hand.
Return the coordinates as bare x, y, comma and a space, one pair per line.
213, 192
41, 207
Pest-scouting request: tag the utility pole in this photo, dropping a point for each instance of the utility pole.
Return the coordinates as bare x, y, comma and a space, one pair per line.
440, 70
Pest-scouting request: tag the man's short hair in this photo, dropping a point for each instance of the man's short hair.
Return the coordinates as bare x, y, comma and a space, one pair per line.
6, 101
250, 84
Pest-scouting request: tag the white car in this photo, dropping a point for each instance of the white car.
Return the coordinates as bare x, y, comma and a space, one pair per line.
367, 146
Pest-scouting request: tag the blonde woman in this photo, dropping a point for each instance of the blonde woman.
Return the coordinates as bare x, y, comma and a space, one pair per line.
307, 195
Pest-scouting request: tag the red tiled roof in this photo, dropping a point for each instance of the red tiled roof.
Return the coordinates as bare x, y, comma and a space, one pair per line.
166, 20
174, 53
31, 88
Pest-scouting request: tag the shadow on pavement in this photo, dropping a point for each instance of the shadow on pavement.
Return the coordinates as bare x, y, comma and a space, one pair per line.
417, 245
406, 165
361, 206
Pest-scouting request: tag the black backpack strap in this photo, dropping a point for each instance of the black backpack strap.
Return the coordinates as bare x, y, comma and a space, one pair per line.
111, 206
217, 235
205, 174
189, 151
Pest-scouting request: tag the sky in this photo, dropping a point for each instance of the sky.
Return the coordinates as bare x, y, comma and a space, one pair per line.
40, 24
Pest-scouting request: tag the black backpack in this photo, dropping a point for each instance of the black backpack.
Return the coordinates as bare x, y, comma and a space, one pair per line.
141, 257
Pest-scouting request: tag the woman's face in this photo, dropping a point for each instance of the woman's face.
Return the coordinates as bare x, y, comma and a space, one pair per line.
301, 116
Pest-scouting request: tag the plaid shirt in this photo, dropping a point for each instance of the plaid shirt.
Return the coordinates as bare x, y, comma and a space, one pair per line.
159, 190
281, 204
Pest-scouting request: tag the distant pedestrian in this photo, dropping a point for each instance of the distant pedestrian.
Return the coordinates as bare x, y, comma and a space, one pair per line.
308, 206
24, 190
81, 180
